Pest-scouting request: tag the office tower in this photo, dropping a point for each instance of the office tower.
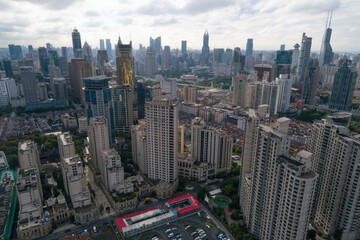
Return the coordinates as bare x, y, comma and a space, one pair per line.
122, 105
102, 59
284, 92
184, 48
53, 57
109, 49
336, 160
102, 44
249, 47
98, 141
238, 62
44, 61
284, 57
167, 57
113, 172
282, 47
240, 86
311, 80
219, 55
78, 69
60, 89
267, 93
73, 172
87, 51
140, 91
270, 183
151, 42
150, 62
4, 95
15, 52
76, 42
64, 52
49, 46
162, 139
11, 88
205, 51
263, 72
295, 59
138, 143
124, 64
30, 49
190, 94
157, 46
54, 72
28, 155
343, 88
304, 56
211, 145
98, 100
64, 67
326, 53
8, 68
28, 82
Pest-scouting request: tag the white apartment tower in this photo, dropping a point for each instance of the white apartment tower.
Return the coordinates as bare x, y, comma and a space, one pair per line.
211, 145
337, 161
113, 176
281, 188
284, 92
138, 143
162, 139
98, 141
28, 155
73, 172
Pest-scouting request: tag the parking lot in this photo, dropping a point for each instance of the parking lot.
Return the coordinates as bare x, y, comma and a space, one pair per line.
198, 226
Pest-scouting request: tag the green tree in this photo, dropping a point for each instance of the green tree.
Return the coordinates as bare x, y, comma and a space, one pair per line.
311, 234
201, 194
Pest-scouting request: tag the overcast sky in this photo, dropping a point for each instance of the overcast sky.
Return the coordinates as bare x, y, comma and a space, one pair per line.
229, 22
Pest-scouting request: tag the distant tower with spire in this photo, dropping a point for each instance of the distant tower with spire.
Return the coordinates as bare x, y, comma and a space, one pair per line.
76, 41
205, 52
326, 53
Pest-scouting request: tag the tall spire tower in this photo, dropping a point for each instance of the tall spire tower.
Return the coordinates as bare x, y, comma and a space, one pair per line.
326, 53
205, 52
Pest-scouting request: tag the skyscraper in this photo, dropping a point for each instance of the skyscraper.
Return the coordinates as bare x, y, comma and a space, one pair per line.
304, 56
98, 140
167, 57
102, 58
343, 88
124, 64
79, 69
64, 52
60, 89
109, 49
87, 51
326, 53
15, 52
28, 82
249, 47
44, 61
337, 161
240, 85
295, 59
97, 94
28, 155
184, 48
274, 179
205, 52
284, 92
311, 80
150, 62
76, 42
102, 44
162, 139
122, 104
210, 145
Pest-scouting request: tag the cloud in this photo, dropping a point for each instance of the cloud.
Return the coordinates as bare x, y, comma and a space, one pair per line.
52, 4
163, 22
203, 6
92, 13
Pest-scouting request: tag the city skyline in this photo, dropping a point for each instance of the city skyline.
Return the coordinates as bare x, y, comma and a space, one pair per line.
264, 21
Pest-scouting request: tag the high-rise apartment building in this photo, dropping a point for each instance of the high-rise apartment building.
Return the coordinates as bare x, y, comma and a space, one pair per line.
138, 144
98, 141
284, 92
76, 42
270, 178
162, 139
211, 145
205, 51
240, 86
28, 155
267, 93
304, 57
113, 172
60, 90
124, 64
337, 161
79, 69
28, 82
343, 88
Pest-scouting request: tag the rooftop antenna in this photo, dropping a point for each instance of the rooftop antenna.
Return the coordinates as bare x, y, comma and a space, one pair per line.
327, 20
330, 18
